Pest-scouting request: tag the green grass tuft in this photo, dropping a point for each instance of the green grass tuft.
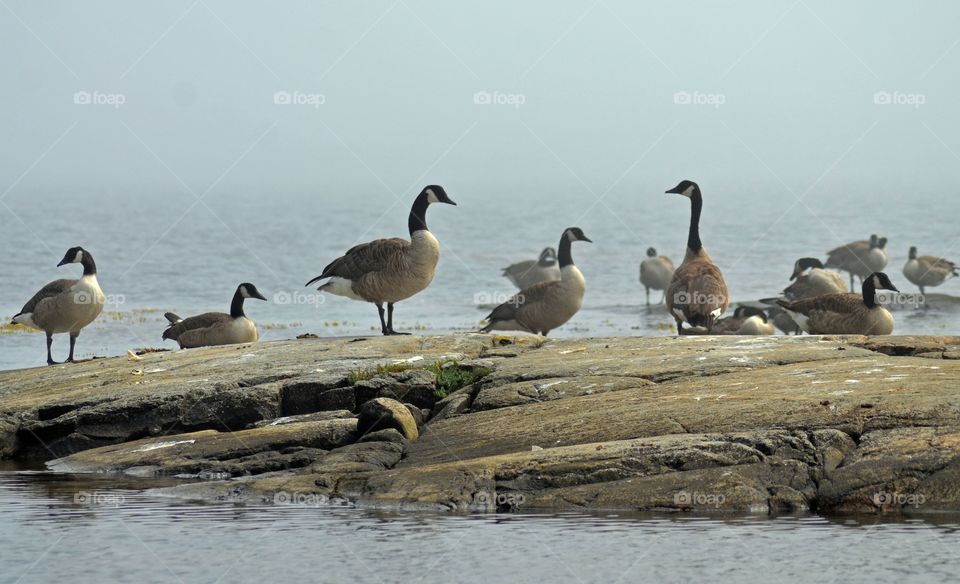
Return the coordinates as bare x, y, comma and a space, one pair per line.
449, 375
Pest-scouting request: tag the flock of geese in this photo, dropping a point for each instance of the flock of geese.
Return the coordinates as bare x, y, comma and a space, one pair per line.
551, 288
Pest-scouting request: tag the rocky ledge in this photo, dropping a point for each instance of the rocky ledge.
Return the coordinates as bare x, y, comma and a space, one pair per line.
482, 422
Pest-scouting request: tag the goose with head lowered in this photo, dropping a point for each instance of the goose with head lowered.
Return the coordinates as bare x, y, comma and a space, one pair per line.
216, 328
547, 305
847, 313
386, 271
925, 271
655, 272
65, 306
811, 278
746, 320
531, 272
697, 294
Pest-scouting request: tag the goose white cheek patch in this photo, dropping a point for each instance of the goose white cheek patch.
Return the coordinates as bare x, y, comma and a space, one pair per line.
432, 196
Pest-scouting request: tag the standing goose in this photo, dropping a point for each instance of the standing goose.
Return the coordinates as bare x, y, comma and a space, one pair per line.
531, 272
216, 328
859, 258
811, 279
746, 320
928, 270
697, 293
547, 305
845, 314
655, 272
65, 305
389, 270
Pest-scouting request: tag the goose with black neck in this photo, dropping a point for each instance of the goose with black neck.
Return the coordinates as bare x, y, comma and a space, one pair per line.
386, 271
65, 306
697, 294
216, 328
845, 314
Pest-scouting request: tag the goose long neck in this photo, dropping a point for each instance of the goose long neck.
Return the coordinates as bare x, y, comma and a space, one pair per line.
89, 266
693, 237
563, 252
236, 306
418, 214
869, 293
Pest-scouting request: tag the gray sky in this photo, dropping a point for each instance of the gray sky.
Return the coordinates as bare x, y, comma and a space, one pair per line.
787, 92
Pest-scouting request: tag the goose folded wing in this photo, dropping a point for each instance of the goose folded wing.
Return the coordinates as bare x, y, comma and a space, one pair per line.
836, 303
52, 289
365, 258
513, 307
201, 321
932, 263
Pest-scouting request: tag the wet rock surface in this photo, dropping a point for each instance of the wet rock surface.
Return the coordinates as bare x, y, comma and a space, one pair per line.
832, 424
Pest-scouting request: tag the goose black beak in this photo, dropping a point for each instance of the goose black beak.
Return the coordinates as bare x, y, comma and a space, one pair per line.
674, 191
587, 239
62, 263
258, 295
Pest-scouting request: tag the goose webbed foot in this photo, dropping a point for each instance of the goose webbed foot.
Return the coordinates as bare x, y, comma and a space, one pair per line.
388, 328
391, 332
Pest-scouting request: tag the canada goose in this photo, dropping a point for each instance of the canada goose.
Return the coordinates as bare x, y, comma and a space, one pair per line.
389, 270
216, 328
811, 279
697, 293
547, 305
65, 305
530, 272
859, 258
746, 320
655, 272
928, 270
845, 314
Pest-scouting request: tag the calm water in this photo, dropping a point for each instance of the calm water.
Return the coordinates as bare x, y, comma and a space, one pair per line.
123, 535
156, 253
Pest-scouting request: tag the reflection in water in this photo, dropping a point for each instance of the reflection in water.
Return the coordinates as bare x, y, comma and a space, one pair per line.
96, 529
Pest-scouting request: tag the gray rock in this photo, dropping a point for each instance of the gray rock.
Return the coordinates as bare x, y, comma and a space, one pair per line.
415, 386
382, 413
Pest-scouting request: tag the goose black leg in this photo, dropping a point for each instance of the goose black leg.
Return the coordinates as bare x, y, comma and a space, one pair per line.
383, 323
679, 327
648, 295
73, 344
390, 330
50, 360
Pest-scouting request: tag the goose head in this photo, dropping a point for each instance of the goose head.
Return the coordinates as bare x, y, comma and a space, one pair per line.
882, 242
74, 255
686, 188
880, 281
804, 264
651, 252
548, 257
248, 290
913, 252
748, 311
436, 194
575, 234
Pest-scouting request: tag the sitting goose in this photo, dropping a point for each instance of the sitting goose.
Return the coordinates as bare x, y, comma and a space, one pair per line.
859, 258
389, 270
812, 279
746, 320
928, 270
655, 272
845, 314
531, 272
65, 305
697, 293
547, 305
216, 328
